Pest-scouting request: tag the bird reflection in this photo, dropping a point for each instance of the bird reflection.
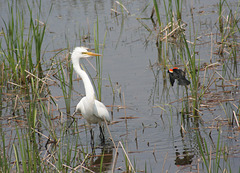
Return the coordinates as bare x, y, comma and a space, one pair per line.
102, 161
184, 159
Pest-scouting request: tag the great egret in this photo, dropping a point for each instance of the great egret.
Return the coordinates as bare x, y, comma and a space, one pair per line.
178, 74
91, 109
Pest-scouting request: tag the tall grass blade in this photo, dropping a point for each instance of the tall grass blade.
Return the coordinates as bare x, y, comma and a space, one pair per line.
66, 83
157, 12
17, 158
98, 61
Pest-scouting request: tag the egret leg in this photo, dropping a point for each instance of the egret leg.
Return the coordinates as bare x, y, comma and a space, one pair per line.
101, 134
92, 138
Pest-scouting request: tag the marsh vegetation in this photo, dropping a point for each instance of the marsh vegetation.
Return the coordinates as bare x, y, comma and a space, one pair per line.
155, 127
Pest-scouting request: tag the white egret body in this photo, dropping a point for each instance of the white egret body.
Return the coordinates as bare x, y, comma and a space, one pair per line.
91, 109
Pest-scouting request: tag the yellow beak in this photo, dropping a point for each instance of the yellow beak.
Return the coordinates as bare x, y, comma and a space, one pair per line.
92, 54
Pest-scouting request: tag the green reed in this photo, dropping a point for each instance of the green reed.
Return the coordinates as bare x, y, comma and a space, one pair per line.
18, 42
215, 158
228, 28
182, 50
178, 4
39, 30
159, 43
169, 11
157, 12
167, 28
24, 159
26, 150
99, 60
22, 50
15, 46
4, 162
66, 82
193, 71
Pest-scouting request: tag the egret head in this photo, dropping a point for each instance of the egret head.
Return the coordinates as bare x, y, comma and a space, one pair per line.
82, 52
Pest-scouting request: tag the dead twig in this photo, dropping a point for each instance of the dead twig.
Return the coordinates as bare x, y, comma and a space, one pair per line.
234, 114
126, 154
123, 7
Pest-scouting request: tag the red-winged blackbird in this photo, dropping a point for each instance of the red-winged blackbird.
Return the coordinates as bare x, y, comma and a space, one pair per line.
179, 75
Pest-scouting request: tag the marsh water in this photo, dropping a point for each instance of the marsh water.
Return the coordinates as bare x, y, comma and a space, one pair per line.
147, 111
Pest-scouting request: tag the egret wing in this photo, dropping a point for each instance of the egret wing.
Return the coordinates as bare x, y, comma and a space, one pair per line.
101, 111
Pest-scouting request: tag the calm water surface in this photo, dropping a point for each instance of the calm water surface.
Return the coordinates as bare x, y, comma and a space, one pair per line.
130, 58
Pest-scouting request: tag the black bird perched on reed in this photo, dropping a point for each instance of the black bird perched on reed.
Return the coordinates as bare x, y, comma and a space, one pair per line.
179, 75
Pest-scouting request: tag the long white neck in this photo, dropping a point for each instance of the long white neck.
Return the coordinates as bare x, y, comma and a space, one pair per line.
86, 81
